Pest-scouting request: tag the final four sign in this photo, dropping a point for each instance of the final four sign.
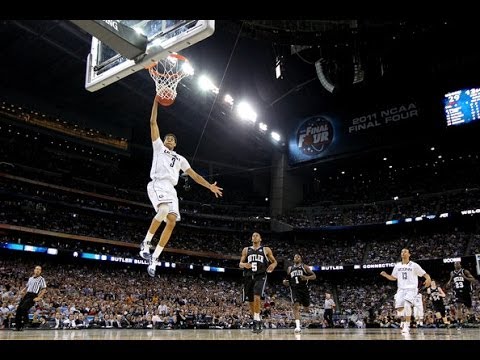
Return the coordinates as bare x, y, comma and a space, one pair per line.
347, 131
314, 135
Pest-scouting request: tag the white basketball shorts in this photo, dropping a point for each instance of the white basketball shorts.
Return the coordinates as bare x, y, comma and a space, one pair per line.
161, 192
404, 295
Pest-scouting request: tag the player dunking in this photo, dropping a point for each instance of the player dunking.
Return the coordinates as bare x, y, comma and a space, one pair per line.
166, 166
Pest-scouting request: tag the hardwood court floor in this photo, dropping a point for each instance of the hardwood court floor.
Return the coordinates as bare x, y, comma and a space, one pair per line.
231, 335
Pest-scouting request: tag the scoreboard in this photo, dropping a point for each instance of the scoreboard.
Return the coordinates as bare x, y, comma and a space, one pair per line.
462, 106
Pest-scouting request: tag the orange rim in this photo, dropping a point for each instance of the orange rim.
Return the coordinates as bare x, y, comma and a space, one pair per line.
177, 56
156, 73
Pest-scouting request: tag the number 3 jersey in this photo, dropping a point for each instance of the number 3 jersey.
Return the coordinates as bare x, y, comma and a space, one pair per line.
166, 164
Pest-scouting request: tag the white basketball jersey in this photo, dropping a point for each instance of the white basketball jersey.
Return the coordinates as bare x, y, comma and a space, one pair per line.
407, 274
166, 164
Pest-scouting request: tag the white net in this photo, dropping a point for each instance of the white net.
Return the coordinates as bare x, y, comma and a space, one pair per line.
167, 73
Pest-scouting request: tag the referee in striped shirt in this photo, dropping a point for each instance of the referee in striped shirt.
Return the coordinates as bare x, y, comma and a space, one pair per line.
36, 288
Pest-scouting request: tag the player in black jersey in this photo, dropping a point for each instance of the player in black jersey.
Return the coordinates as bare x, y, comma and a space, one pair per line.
299, 275
436, 295
256, 262
462, 284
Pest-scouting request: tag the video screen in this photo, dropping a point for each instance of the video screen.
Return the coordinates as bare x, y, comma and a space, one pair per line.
462, 106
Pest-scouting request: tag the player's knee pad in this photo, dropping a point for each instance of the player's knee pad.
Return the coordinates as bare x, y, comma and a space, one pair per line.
162, 212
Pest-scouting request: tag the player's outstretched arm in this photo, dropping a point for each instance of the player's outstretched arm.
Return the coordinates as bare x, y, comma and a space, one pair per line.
201, 180
153, 122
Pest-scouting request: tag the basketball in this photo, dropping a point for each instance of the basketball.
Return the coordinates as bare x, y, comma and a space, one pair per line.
165, 96
164, 101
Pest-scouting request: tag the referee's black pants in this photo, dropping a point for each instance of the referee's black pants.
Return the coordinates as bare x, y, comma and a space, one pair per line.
22, 310
328, 316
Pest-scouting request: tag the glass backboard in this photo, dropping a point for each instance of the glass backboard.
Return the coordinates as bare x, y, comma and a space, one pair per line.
105, 65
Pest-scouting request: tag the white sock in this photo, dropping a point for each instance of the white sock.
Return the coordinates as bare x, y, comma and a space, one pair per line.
401, 324
256, 316
157, 252
148, 237
297, 323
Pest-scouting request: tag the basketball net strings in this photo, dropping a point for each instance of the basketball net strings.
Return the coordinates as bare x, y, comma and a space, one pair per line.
216, 95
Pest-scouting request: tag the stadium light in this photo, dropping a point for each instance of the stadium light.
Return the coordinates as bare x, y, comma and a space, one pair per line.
275, 136
207, 85
245, 112
228, 99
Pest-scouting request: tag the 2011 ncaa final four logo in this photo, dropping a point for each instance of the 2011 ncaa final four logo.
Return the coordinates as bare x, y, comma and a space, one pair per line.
315, 135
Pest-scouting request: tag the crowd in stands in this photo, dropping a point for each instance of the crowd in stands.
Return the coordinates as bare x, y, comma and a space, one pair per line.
38, 207
415, 186
204, 236
97, 295
453, 201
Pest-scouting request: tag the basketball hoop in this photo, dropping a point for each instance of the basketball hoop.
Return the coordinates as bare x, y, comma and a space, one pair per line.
167, 73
